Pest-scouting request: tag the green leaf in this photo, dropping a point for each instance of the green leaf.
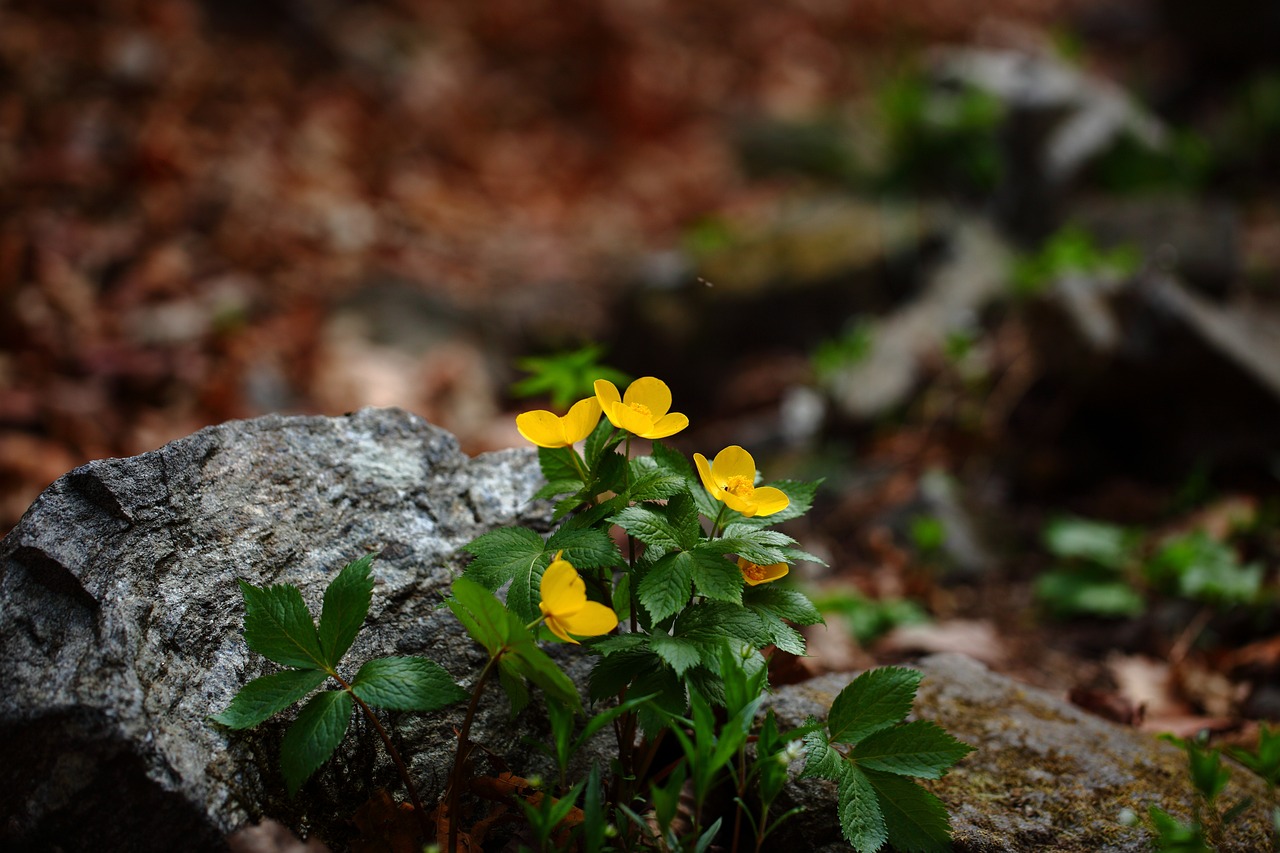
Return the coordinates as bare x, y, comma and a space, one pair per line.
619, 669
789, 604
918, 748
821, 759
760, 546
873, 701
917, 820
480, 613
1088, 589
1094, 541
670, 459
314, 736
406, 684
683, 513
556, 488
649, 526
513, 554
278, 626
669, 697
717, 620
602, 440
268, 695
780, 633
678, 653
717, 578
861, 818
557, 464
346, 604
530, 662
667, 585
585, 548
516, 688
654, 484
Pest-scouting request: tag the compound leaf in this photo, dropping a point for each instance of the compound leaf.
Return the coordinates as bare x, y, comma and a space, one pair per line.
917, 820
278, 625
918, 748
862, 819
873, 701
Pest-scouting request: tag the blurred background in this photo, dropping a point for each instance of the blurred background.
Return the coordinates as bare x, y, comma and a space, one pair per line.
1006, 274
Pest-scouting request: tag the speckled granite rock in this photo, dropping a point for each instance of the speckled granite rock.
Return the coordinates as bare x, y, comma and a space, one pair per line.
1045, 776
120, 622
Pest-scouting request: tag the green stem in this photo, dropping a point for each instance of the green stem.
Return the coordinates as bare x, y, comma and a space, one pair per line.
716, 530
423, 823
460, 757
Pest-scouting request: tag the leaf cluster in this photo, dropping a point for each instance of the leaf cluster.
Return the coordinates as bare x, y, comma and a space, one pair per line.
279, 626
872, 755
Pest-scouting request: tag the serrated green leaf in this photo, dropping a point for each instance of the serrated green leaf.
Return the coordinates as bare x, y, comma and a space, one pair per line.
917, 820
513, 554
781, 634
760, 546
678, 653
683, 513
314, 736
669, 698
516, 688
480, 613
795, 555
586, 547
919, 748
619, 643
346, 604
670, 459
268, 695
602, 440
278, 626
649, 526
557, 464
862, 819
789, 604
652, 484
556, 488
821, 759
875, 700
717, 578
615, 672
406, 684
667, 585
718, 620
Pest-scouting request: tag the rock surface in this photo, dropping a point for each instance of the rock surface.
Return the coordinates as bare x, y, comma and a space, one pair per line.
1045, 775
120, 623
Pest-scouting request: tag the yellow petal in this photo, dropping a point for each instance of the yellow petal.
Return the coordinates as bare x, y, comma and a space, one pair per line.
651, 392
755, 575
742, 505
769, 500
709, 481
593, 619
668, 424
543, 428
733, 461
581, 420
625, 417
563, 590
559, 631
607, 394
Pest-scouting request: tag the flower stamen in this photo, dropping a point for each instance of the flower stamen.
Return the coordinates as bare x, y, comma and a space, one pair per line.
740, 486
753, 571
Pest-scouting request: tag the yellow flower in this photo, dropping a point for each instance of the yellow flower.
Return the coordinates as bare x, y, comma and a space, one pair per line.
731, 478
643, 410
547, 429
755, 574
564, 604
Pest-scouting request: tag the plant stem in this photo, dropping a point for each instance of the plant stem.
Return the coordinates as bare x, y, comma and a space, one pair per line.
424, 824
715, 525
460, 757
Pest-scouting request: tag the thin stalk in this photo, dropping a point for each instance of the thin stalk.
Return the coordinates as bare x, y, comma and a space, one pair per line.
716, 529
459, 757
424, 824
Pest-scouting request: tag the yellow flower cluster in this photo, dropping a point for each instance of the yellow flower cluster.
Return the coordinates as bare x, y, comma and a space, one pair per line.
644, 410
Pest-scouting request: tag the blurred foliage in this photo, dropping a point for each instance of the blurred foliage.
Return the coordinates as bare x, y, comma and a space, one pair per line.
940, 138
928, 534
850, 348
818, 148
566, 377
1186, 163
1071, 250
869, 618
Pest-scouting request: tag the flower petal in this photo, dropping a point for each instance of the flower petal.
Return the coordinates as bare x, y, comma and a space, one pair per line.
563, 590
769, 500
651, 392
742, 505
624, 417
734, 461
543, 428
558, 629
593, 619
581, 420
607, 394
709, 481
761, 574
668, 424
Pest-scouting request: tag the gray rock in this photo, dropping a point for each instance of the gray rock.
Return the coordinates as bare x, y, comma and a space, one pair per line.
1045, 776
120, 623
